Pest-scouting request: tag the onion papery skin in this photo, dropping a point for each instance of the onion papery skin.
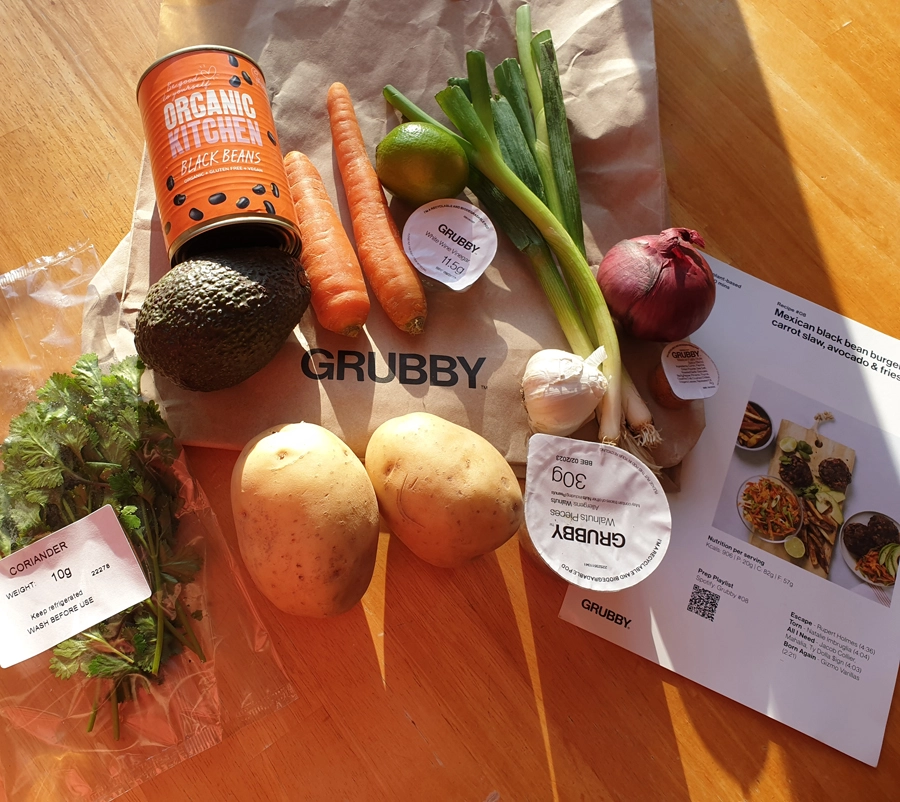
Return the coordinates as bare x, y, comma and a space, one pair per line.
658, 287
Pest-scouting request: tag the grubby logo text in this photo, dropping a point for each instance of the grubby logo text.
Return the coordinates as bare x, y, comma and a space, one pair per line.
437, 370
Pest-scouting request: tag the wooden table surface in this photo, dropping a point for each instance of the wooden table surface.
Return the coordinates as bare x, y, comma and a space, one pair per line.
781, 134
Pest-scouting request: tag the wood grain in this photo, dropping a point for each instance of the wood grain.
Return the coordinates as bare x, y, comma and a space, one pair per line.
781, 135
70, 134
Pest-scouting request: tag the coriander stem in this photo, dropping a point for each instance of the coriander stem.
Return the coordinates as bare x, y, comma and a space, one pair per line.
108, 645
160, 633
176, 633
69, 516
189, 633
153, 553
114, 699
94, 708
79, 479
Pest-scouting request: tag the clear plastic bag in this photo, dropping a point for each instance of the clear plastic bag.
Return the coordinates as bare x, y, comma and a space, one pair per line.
41, 307
46, 751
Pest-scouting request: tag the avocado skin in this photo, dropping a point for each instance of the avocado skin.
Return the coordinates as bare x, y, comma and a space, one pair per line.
214, 320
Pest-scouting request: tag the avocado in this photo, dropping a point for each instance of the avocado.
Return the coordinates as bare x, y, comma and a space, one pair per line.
216, 319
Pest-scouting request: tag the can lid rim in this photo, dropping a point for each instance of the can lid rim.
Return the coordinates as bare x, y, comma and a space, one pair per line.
192, 49
290, 235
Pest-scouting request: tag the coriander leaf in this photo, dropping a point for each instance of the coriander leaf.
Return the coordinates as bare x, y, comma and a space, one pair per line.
28, 521
114, 445
57, 390
5, 537
129, 520
129, 370
180, 566
128, 423
88, 376
108, 666
125, 485
144, 640
75, 435
67, 657
64, 669
43, 477
71, 648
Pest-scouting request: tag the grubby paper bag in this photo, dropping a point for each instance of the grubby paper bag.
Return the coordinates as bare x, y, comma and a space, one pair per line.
467, 365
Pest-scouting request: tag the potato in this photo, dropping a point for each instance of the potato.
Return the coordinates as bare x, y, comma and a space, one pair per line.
444, 490
306, 518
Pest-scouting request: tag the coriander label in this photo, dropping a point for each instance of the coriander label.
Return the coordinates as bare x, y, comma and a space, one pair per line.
596, 515
65, 583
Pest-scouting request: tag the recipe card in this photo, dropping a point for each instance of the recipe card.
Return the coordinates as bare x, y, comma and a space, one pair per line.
778, 586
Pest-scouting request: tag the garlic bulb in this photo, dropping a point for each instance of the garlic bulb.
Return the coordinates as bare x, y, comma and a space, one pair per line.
561, 390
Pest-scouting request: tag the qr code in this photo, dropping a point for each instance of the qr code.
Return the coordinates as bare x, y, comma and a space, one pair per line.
704, 603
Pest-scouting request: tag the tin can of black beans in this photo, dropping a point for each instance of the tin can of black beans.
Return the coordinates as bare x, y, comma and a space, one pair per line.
217, 166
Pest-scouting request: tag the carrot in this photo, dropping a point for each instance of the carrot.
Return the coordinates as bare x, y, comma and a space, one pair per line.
869, 566
338, 290
391, 276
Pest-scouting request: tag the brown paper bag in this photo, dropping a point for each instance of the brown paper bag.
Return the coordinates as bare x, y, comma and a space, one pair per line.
467, 365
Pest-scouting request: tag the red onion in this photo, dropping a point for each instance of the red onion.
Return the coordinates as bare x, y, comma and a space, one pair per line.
658, 287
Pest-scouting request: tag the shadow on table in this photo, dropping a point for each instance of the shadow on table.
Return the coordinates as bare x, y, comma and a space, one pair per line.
728, 168
731, 177
509, 699
471, 688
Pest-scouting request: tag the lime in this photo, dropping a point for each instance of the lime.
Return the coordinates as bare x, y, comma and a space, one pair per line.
787, 444
421, 162
794, 546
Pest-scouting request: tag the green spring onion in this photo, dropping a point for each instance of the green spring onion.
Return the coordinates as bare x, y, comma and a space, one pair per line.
511, 85
510, 219
486, 157
522, 171
562, 162
535, 94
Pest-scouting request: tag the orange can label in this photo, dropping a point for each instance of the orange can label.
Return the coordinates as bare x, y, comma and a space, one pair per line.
213, 150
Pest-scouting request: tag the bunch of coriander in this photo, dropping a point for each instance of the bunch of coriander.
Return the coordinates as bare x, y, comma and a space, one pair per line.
90, 440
